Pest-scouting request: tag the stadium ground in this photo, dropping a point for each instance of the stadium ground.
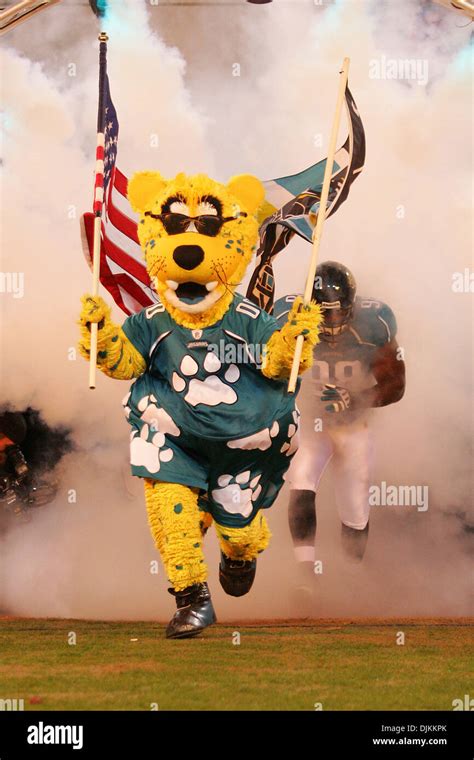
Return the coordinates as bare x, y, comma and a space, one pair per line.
278, 665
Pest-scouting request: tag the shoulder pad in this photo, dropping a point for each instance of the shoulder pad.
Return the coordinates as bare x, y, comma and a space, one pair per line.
374, 321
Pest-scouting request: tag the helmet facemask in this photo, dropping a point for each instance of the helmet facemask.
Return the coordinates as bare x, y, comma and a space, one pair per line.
336, 320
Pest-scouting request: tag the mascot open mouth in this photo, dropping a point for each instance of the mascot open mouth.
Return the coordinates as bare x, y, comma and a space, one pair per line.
192, 297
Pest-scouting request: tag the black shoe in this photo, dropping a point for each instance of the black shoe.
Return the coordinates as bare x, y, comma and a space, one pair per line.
195, 612
354, 542
236, 576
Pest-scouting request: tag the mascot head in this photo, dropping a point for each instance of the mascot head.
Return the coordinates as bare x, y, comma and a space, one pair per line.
198, 237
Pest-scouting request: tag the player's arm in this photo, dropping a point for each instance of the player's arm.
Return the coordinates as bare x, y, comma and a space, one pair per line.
280, 349
389, 372
116, 356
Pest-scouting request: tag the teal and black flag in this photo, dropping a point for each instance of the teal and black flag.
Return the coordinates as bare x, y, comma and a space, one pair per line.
292, 204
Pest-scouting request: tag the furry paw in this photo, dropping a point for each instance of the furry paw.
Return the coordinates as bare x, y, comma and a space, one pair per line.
302, 322
94, 309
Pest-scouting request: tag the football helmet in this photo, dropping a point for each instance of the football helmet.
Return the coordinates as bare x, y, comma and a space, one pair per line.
334, 290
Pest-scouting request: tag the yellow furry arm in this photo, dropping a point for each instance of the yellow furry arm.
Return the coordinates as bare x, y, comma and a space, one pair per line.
281, 346
116, 356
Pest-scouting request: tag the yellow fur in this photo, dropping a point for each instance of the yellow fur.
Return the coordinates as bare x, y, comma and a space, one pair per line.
226, 256
280, 349
244, 543
177, 526
178, 535
116, 356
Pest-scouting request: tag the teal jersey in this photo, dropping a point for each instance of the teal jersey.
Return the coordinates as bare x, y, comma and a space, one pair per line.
208, 380
347, 362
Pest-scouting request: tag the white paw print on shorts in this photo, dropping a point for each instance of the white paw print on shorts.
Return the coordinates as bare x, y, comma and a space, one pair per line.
149, 454
212, 390
148, 448
237, 494
291, 445
262, 439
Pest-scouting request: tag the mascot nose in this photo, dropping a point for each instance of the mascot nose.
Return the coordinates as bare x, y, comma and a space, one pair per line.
188, 256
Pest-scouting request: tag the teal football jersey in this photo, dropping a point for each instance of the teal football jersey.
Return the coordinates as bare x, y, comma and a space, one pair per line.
208, 380
348, 361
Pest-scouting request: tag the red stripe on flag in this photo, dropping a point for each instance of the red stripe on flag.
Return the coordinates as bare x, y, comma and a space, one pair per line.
131, 287
106, 276
111, 281
127, 262
122, 222
121, 182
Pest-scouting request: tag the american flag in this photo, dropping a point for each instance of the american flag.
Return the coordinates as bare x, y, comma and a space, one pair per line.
106, 153
122, 268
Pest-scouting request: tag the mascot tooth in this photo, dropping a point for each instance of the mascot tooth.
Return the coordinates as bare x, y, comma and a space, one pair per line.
212, 435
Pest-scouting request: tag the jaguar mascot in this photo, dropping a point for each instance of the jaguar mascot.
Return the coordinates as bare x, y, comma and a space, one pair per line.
213, 428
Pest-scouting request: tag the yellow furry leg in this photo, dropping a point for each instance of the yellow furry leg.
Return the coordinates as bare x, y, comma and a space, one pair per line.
177, 527
244, 543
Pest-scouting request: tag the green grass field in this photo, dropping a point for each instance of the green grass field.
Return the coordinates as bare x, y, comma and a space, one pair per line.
345, 665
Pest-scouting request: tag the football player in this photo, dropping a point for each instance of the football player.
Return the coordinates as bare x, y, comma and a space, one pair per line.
357, 366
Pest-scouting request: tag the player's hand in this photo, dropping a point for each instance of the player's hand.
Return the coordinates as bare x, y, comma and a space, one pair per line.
337, 399
94, 309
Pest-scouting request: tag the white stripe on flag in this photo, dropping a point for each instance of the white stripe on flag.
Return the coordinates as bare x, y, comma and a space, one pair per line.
121, 204
124, 242
99, 194
276, 194
117, 269
132, 305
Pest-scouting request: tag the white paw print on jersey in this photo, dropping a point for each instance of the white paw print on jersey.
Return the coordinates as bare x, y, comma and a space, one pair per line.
212, 390
262, 439
158, 419
149, 454
291, 445
237, 494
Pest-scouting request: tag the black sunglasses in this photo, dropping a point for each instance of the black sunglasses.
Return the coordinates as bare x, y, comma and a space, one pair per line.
175, 224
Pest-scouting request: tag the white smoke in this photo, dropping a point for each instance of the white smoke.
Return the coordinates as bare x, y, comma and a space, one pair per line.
256, 93
63, 562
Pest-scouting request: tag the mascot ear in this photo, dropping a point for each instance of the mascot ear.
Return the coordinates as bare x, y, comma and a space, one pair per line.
142, 188
248, 189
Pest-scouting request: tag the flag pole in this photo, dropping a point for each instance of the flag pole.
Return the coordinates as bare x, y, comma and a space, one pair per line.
317, 232
98, 200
